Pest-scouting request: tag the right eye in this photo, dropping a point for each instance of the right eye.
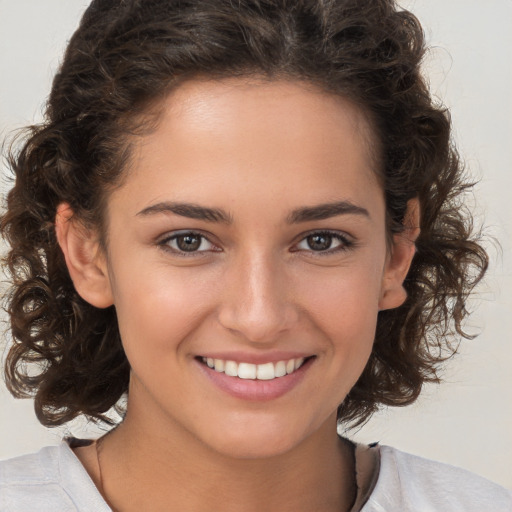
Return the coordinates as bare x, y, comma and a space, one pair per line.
187, 243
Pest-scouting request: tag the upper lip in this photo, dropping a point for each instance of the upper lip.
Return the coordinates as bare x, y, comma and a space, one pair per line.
252, 358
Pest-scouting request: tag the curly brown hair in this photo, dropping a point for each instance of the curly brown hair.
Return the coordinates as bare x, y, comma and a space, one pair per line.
128, 54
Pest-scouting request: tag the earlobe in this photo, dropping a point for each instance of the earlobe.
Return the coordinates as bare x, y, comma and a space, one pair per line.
84, 257
393, 293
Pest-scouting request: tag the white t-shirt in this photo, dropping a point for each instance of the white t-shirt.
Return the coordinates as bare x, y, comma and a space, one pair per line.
54, 480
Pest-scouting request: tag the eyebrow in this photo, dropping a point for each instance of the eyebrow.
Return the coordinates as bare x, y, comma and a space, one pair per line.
192, 211
326, 211
305, 214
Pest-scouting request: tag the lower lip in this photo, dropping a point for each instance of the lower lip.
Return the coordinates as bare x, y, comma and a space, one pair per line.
256, 390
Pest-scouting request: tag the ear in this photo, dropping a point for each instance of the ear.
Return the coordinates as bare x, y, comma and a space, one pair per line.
84, 257
399, 260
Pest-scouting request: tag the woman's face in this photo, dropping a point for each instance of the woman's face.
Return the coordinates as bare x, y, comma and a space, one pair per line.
249, 235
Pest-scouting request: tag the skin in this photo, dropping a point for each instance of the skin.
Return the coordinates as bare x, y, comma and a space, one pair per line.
258, 151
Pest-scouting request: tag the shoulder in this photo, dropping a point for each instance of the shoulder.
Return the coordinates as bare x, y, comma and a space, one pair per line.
33, 478
53, 478
409, 483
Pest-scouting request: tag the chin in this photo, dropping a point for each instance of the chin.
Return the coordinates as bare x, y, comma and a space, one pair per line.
257, 440
255, 449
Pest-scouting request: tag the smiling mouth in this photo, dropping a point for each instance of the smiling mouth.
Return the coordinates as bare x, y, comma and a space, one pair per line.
248, 371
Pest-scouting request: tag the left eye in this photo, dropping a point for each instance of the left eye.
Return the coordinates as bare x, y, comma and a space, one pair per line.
323, 242
188, 242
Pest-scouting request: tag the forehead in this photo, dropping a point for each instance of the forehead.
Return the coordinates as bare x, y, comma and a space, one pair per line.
265, 106
254, 137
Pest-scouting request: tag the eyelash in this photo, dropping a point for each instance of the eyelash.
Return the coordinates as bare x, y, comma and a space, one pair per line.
345, 243
164, 244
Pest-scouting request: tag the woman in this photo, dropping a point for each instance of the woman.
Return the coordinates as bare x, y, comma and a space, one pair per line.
245, 218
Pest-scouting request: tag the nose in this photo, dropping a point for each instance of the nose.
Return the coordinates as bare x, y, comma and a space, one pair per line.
257, 300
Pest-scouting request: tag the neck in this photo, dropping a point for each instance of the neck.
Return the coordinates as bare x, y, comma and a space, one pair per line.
151, 465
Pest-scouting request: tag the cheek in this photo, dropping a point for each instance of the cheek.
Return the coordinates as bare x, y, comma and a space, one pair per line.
159, 308
344, 297
343, 306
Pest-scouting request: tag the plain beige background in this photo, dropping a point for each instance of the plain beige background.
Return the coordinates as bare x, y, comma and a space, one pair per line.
467, 421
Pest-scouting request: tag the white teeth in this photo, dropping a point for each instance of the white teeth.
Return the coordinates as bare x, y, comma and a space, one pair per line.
247, 371
231, 369
266, 371
280, 369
